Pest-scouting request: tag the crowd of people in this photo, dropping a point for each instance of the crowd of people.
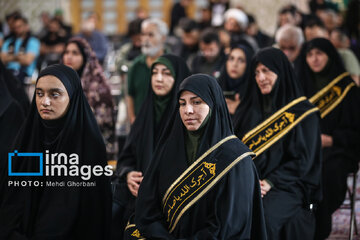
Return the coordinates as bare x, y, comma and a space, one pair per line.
234, 134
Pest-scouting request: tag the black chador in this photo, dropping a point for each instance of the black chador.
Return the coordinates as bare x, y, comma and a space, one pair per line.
337, 97
282, 128
155, 114
213, 194
63, 212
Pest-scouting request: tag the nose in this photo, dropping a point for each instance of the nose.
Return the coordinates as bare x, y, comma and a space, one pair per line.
159, 77
45, 101
261, 76
189, 109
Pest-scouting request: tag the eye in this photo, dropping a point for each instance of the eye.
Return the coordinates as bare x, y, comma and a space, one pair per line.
55, 94
197, 102
167, 73
40, 94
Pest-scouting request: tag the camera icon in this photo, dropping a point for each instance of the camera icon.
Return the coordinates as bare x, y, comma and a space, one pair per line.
17, 154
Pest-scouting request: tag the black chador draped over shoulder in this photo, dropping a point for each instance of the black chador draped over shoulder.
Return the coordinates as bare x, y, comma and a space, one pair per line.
229, 207
48, 212
155, 114
340, 120
11, 118
290, 164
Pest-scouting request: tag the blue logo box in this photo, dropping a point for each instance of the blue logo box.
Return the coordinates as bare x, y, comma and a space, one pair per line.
16, 153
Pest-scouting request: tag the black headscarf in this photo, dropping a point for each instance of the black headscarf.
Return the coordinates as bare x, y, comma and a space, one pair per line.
333, 68
145, 133
210, 217
64, 212
238, 85
256, 106
283, 164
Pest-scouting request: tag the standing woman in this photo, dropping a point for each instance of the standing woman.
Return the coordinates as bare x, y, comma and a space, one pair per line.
331, 88
79, 56
234, 76
280, 125
60, 121
167, 72
202, 183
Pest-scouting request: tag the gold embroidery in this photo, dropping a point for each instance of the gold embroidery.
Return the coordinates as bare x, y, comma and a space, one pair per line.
282, 122
136, 233
199, 177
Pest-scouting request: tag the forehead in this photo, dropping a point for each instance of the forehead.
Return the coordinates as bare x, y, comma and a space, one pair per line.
72, 46
48, 82
150, 27
160, 66
237, 51
316, 50
187, 94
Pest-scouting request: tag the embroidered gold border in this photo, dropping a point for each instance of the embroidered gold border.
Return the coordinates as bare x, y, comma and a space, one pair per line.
282, 133
330, 85
171, 220
205, 190
130, 226
270, 119
177, 182
329, 109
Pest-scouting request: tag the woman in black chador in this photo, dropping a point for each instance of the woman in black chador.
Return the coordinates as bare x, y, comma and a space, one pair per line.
60, 121
234, 76
280, 125
167, 72
202, 183
331, 88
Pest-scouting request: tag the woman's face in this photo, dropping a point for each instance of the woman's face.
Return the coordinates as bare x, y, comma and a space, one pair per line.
236, 63
316, 59
73, 57
265, 78
161, 80
52, 99
193, 110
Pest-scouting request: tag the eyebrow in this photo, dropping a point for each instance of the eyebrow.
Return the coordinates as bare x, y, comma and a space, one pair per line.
52, 89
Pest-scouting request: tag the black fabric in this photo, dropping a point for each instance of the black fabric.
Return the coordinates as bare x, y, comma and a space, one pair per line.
342, 124
59, 212
143, 138
15, 88
11, 119
201, 65
238, 85
292, 164
231, 209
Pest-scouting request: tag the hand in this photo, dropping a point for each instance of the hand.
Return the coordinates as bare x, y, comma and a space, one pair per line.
233, 104
265, 187
326, 140
133, 180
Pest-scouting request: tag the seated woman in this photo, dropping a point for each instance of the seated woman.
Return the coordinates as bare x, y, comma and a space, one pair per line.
79, 56
202, 183
60, 124
167, 72
234, 76
282, 128
332, 90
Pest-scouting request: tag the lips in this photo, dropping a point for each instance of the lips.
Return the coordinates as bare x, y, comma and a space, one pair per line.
190, 120
45, 111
